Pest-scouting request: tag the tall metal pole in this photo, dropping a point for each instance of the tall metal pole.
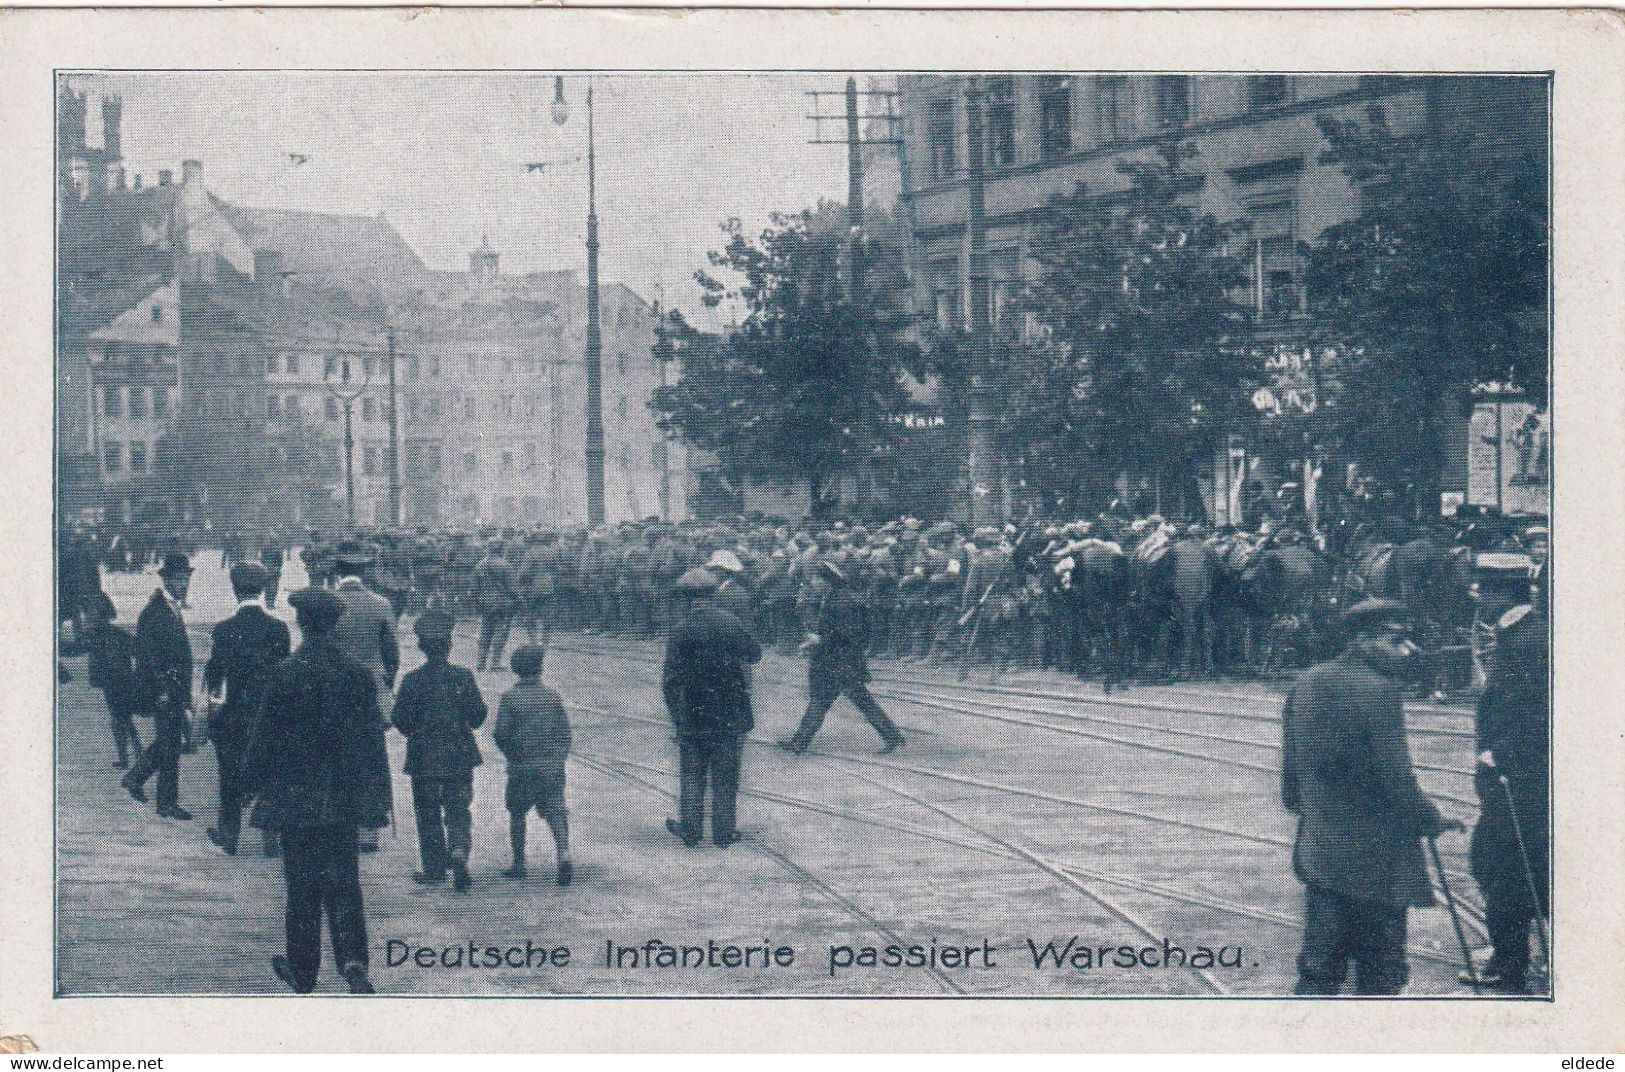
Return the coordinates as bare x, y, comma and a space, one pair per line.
662, 456
854, 194
982, 465
595, 346
394, 440
349, 463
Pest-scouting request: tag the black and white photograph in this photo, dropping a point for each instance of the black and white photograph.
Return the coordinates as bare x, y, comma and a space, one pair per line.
872, 533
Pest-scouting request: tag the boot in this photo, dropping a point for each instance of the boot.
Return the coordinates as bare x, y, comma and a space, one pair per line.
459, 876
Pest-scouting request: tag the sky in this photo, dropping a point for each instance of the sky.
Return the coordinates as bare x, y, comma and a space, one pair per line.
443, 156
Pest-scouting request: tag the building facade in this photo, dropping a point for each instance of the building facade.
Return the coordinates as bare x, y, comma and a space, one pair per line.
1258, 163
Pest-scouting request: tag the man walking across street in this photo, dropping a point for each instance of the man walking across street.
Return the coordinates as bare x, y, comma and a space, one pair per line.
707, 691
366, 633
316, 763
246, 648
163, 677
1346, 773
496, 596
838, 664
438, 710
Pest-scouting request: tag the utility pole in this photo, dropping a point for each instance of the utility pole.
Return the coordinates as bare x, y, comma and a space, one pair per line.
594, 356
854, 195
662, 353
394, 439
982, 463
595, 344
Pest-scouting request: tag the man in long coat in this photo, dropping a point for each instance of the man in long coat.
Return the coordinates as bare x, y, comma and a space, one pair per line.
838, 664
1509, 850
366, 633
496, 597
316, 763
246, 647
438, 710
163, 678
1346, 773
706, 685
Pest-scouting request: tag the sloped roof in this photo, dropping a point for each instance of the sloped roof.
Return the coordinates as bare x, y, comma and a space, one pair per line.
330, 244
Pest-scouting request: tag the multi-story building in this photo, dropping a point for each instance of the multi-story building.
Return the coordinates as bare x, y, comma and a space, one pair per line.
1258, 161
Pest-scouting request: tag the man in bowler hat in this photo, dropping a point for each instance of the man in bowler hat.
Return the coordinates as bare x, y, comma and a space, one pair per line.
316, 764
438, 710
247, 646
163, 677
1346, 773
706, 685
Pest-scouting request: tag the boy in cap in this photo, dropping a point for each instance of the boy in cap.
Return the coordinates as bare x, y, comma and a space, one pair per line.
438, 710
533, 732
112, 669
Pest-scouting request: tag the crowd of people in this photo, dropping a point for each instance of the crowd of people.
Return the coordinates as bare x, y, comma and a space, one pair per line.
300, 732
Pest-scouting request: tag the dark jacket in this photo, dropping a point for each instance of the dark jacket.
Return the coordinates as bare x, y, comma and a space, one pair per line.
247, 646
1514, 713
496, 589
315, 754
532, 729
1346, 772
438, 708
163, 656
111, 667
705, 682
841, 655
735, 598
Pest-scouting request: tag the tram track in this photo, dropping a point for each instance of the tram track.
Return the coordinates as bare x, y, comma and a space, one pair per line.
1004, 716
798, 872
1472, 911
998, 848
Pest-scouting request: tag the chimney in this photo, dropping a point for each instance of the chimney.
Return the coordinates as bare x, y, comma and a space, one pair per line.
166, 177
269, 272
112, 140
482, 267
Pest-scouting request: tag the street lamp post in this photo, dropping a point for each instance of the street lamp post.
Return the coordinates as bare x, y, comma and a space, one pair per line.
346, 394
594, 356
982, 464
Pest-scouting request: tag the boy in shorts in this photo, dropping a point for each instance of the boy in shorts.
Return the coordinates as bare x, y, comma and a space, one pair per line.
533, 733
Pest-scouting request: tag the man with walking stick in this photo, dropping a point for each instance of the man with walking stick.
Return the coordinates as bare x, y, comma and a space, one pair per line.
1346, 773
1511, 839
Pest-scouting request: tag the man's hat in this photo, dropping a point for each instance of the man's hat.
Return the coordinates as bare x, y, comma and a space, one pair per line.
697, 581
353, 553
317, 608
526, 660
1370, 614
434, 625
249, 577
175, 562
830, 570
726, 561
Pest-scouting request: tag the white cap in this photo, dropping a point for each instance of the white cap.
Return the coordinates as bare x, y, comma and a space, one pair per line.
725, 560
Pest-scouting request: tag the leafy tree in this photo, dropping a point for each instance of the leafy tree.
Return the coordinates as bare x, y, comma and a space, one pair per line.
1437, 286
1135, 367
809, 384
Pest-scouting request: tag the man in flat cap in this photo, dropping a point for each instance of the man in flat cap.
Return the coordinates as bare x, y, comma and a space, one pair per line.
163, 672
838, 664
706, 685
438, 710
1346, 773
246, 647
366, 633
316, 764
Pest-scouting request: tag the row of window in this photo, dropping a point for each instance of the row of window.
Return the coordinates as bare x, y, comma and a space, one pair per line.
136, 457
1275, 277
136, 403
1058, 99
375, 369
